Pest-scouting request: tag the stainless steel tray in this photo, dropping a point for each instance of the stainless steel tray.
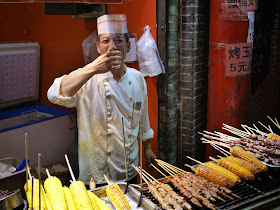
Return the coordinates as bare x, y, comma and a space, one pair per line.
132, 196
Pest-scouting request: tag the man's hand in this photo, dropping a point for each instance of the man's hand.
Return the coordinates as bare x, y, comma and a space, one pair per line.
106, 61
149, 155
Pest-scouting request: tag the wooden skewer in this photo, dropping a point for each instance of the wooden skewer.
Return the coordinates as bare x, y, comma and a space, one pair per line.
147, 177
141, 156
195, 160
213, 159
246, 129
212, 137
166, 169
235, 130
48, 173
277, 124
28, 171
153, 178
138, 171
160, 172
220, 149
257, 130
70, 169
26, 159
178, 170
270, 129
265, 127
171, 169
217, 143
191, 167
106, 179
222, 135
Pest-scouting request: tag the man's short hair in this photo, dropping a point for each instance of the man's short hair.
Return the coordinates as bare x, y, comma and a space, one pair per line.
126, 36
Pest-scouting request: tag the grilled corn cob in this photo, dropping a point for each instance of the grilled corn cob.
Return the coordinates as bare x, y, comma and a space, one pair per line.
80, 196
245, 164
223, 171
236, 169
49, 207
241, 153
96, 202
35, 190
69, 199
117, 197
213, 176
55, 193
273, 136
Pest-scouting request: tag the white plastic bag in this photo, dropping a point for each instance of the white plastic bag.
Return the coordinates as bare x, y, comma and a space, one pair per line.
147, 54
89, 48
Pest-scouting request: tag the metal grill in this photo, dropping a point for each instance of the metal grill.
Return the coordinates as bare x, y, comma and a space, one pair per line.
265, 186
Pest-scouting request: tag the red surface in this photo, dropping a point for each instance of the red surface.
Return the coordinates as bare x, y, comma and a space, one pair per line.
227, 96
60, 37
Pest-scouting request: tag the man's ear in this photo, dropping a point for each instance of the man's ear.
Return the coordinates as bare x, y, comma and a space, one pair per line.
98, 47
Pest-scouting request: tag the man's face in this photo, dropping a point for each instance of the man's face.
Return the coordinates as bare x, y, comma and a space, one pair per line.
110, 42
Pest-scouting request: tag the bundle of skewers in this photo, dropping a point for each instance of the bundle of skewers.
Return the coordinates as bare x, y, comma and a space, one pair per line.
264, 146
194, 188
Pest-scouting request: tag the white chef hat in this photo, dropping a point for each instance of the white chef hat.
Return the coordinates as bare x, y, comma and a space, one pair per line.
112, 24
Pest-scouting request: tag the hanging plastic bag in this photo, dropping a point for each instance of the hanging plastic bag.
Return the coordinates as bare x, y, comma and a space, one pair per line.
148, 57
89, 48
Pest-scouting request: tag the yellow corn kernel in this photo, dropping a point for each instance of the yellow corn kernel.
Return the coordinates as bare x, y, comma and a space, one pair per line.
80, 196
231, 176
69, 199
213, 176
117, 197
236, 169
55, 193
96, 202
49, 207
273, 136
245, 164
241, 153
35, 193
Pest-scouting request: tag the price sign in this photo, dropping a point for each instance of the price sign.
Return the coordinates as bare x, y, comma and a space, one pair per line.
238, 59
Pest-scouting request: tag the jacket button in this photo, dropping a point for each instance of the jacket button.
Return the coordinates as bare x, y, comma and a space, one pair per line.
109, 115
129, 82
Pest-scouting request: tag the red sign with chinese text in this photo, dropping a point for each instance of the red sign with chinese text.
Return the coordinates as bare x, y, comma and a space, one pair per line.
236, 6
238, 59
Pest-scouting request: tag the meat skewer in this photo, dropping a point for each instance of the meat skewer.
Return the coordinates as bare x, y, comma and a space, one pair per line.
164, 193
178, 181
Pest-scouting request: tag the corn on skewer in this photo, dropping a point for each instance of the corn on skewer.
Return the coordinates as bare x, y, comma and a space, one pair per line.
243, 163
211, 176
55, 193
79, 191
231, 176
239, 152
97, 203
33, 191
234, 168
116, 196
80, 196
69, 198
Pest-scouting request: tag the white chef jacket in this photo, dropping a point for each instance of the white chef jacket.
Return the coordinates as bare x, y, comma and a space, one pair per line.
101, 104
